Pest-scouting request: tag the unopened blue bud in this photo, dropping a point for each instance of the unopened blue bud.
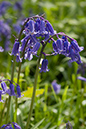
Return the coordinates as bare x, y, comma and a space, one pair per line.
31, 26
18, 91
50, 28
59, 44
42, 26
37, 25
64, 38
23, 41
65, 44
74, 55
44, 67
55, 47
4, 86
76, 46
12, 91
15, 48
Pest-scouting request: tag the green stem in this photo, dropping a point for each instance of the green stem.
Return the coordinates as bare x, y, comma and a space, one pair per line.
16, 101
9, 99
3, 112
18, 77
34, 88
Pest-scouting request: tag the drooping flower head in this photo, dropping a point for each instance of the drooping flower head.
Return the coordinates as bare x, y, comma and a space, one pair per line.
38, 32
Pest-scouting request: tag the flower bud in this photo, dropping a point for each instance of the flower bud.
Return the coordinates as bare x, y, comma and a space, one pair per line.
15, 48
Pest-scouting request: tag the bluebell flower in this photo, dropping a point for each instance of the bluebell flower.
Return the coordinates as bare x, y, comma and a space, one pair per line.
65, 45
75, 46
46, 37
59, 44
56, 87
49, 27
33, 38
28, 54
68, 125
81, 78
16, 126
3, 126
9, 126
15, 48
31, 26
35, 47
18, 59
74, 55
37, 25
4, 87
44, 67
23, 41
18, 91
42, 27
55, 47
64, 38
12, 91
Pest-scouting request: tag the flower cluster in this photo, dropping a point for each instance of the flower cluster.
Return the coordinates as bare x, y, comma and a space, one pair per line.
12, 125
68, 47
9, 91
38, 32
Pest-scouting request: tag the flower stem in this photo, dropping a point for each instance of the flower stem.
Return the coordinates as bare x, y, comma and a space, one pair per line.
34, 89
16, 101
18, 77
9, 99
3, 112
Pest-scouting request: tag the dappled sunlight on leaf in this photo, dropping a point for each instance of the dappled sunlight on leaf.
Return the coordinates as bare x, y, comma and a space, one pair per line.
29, 91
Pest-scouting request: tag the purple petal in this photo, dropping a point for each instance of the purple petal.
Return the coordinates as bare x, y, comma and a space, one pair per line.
81, 78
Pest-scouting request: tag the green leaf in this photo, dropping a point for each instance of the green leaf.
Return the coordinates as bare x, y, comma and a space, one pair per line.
36, 125
64, 94
29, 91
